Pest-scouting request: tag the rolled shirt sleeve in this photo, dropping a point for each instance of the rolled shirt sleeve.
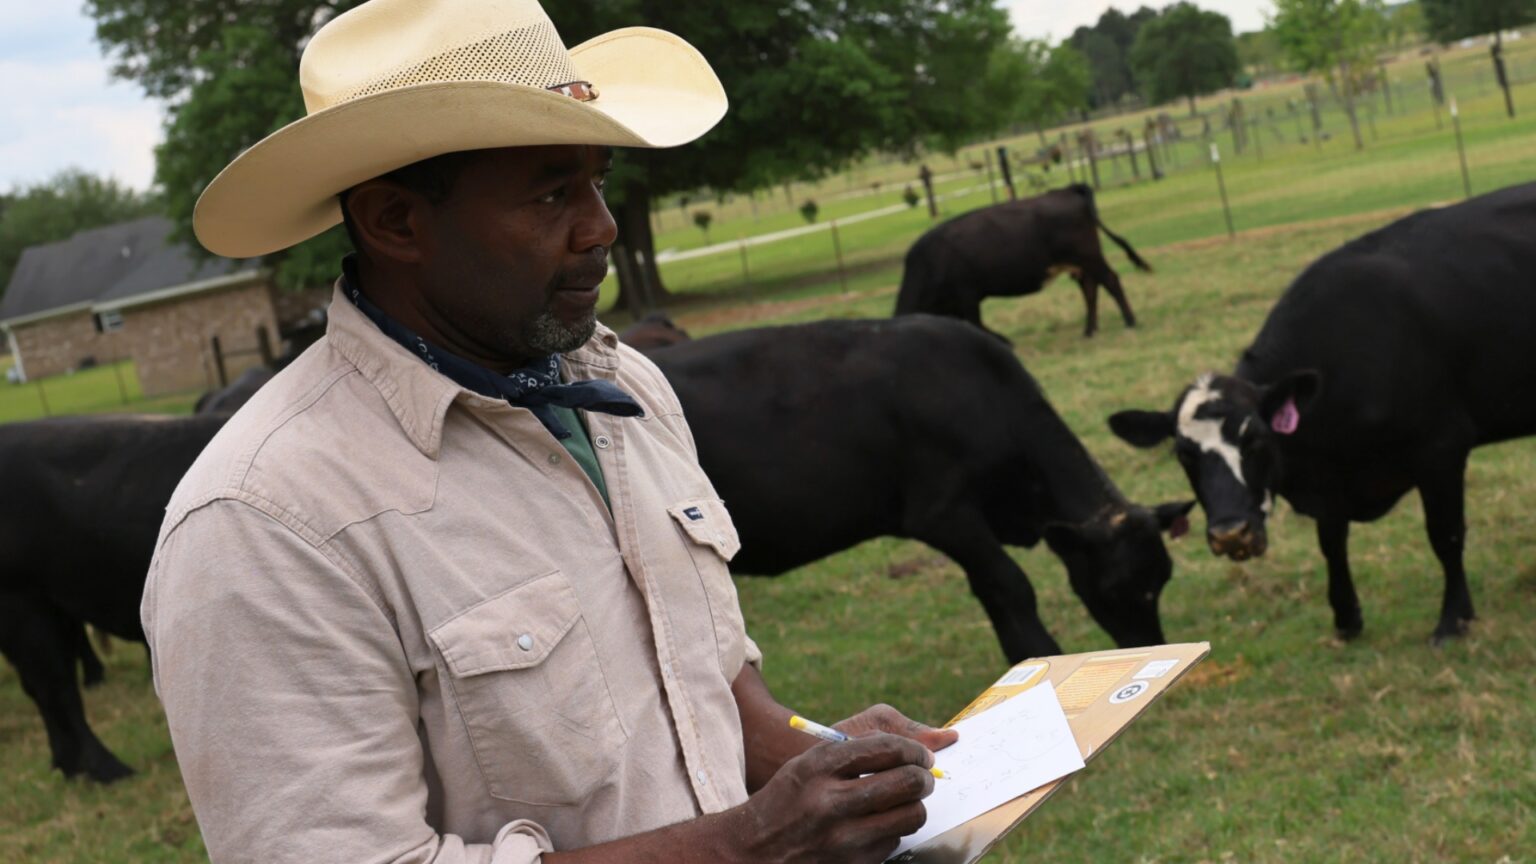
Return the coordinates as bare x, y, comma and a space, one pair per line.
290, 701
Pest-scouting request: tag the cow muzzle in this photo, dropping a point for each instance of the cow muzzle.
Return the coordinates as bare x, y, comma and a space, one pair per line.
1238, 541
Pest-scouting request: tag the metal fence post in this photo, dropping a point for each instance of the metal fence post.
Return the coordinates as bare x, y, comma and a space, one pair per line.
1461, 150
1221, 184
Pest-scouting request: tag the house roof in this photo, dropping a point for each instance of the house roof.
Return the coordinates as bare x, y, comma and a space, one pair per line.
110, 266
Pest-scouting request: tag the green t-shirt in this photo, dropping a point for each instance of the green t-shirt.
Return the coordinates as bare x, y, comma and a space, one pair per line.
579, 445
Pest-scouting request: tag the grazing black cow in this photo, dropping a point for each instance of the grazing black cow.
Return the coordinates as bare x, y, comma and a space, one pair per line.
820, 436
1382, 366
85, 497
1012, 249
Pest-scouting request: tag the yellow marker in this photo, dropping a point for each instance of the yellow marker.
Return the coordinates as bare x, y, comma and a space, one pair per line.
827, 733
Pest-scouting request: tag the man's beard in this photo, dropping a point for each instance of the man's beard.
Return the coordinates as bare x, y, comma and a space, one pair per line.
546, 334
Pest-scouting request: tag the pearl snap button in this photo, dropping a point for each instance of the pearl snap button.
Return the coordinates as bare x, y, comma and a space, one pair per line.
703, 778
603, 442
554, 458
525, 642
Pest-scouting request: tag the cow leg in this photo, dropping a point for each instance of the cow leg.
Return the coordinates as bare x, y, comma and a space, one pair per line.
1333, 538
41, 643
999, 583
1106, 274
90, 665
1090, 289
1444, 497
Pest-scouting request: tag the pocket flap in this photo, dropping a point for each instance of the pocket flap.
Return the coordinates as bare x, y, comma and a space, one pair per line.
707, 523
513, 630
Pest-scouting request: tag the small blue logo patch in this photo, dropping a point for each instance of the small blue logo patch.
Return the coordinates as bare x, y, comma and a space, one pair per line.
693, 514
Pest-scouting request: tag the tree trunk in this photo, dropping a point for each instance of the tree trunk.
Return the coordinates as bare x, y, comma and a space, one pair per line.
1348, 89
634, 255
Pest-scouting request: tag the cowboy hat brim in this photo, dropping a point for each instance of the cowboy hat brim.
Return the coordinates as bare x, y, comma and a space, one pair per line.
655, 90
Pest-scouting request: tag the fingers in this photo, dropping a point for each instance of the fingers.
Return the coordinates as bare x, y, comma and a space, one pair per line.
872, 753
884, 718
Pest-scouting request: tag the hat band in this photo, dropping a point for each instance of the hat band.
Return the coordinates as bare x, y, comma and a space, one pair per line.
581, 91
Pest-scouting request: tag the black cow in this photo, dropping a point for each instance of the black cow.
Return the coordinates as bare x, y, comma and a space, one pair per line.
656, 330
820, 436
1382, 366
85, 497
1012, 249
239, 391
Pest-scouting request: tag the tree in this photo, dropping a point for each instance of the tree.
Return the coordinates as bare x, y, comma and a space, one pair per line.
1107, 46
1030, 82
1259, 52
1186, 52
821, 81
55, 209
1337, 38
1448, 20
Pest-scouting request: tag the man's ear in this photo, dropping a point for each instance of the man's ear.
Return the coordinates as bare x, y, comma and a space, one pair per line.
388, 220
1142, 428
1283, 403
1173, 517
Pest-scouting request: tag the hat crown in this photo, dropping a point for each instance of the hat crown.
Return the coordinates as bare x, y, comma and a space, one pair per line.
390, 44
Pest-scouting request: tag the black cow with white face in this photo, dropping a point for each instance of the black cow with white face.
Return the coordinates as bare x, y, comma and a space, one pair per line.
1382, 366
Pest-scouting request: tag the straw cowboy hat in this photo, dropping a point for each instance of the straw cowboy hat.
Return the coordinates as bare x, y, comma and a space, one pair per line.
393, 82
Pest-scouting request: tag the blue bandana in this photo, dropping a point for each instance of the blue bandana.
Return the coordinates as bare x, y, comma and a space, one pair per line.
536, 386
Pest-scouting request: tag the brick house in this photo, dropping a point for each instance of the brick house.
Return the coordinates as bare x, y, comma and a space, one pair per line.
126, 291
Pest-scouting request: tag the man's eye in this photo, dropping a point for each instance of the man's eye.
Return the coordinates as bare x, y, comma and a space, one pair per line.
602, 181
551, 196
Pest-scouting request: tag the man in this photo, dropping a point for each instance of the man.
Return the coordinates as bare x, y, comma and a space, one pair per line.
453, 587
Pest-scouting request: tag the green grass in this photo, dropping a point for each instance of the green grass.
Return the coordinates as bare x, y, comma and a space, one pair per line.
1285, 746
101, 389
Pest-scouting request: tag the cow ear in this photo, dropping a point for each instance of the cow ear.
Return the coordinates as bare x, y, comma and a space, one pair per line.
1283, 403
1173, 517
1142, 428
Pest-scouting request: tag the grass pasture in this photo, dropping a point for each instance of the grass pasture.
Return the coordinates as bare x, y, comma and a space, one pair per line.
1285, 746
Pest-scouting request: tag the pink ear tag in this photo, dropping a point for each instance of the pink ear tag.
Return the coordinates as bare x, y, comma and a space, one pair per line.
1179, 528
1287, 418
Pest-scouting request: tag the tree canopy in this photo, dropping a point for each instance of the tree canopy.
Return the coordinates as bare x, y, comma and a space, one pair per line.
1185, 52
1030, 82
57, 208
1449, 20
1337, 38
813, 85
1107, 47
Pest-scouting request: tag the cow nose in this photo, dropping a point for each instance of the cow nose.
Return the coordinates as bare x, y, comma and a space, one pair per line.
1230, 539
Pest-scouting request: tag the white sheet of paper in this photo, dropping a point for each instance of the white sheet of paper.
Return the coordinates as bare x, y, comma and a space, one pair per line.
1003, 752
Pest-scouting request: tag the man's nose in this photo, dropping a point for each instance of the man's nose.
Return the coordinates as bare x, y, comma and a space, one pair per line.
595, 226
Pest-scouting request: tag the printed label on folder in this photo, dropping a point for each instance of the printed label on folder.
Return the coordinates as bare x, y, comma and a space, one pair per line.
1155, 669
1024, 674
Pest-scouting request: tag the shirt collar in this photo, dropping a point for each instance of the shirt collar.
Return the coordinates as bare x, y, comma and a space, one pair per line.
418, 396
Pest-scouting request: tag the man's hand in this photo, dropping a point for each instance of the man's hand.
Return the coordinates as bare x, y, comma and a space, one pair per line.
839, 803
884, 718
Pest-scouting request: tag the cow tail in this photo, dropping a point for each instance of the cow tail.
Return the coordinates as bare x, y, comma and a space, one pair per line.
1121, 242
1087, 192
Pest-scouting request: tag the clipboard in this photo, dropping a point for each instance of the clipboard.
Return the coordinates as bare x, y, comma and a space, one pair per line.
1101, 692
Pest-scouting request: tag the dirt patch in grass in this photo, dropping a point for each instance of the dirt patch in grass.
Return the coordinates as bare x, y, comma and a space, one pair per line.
727, 316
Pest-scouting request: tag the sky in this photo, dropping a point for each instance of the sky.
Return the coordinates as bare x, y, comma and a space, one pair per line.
61, 108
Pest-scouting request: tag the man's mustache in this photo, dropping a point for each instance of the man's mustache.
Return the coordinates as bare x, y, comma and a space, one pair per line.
590, 271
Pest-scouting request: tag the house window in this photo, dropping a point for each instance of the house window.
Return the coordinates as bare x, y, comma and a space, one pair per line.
108, 321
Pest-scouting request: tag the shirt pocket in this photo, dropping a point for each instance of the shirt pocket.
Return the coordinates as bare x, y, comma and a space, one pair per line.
712, 543
525, 678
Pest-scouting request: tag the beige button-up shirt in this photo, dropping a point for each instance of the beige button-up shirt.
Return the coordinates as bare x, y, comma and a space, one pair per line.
392, 621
